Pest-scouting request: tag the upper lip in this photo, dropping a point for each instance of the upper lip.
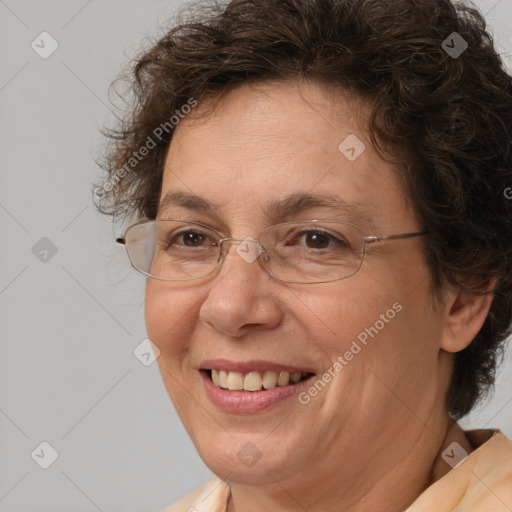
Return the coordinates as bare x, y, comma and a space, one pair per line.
248, 366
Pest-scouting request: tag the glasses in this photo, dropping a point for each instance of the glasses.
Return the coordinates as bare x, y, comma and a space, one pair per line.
306, 252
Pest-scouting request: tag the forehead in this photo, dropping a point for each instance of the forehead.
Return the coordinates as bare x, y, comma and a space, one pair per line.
263, 143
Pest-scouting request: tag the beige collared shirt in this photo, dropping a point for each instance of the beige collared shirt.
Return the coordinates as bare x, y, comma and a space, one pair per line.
482, 482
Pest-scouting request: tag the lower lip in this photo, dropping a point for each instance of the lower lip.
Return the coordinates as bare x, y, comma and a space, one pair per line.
249, 402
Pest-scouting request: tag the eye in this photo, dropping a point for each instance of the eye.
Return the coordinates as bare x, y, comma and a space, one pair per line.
316, 239
192, 238
189, 238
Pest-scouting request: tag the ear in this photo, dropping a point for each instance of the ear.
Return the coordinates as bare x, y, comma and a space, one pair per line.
465, 314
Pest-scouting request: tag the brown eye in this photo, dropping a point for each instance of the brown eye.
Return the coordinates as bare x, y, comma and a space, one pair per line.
189, 238
318, 240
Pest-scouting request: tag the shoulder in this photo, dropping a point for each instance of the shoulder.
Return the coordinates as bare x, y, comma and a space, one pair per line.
481, 481
492, 471
210, 497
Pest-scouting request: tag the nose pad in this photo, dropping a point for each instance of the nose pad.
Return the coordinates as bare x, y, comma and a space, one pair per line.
264, 256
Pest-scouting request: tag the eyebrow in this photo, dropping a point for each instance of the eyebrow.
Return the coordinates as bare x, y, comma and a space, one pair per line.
275, 211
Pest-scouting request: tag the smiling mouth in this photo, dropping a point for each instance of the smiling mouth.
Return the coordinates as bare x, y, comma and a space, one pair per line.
255, 380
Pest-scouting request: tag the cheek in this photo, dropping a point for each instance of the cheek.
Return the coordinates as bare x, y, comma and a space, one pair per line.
166, 313
155, 311
342, 313
168, 316
374, 325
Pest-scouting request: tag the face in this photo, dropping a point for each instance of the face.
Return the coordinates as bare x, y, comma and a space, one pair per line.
371, 339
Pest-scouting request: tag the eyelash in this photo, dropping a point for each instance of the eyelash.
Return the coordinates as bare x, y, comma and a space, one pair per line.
333, 240
337, 241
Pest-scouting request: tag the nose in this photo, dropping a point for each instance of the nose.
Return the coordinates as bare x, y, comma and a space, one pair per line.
241, 297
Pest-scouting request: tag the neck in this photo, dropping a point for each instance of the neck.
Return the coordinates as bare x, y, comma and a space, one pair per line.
380, 487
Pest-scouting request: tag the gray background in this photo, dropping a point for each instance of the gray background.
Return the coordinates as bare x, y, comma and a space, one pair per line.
71, 320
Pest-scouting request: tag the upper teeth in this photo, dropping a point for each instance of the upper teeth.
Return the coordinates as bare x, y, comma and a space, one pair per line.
253, 381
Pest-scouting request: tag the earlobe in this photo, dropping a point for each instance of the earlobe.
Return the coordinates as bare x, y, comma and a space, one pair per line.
465, 314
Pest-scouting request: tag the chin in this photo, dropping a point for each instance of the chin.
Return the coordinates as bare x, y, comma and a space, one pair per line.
236, 458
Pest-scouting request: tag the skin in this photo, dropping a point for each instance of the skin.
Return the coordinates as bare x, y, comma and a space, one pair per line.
371, 440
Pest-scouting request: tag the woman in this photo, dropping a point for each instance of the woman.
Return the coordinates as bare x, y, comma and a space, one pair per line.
326, 239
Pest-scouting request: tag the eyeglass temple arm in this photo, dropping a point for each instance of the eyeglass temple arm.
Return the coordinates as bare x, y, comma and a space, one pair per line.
371, 239
121, 240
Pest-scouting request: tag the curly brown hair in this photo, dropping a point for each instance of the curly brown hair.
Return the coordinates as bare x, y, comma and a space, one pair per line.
450, 114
